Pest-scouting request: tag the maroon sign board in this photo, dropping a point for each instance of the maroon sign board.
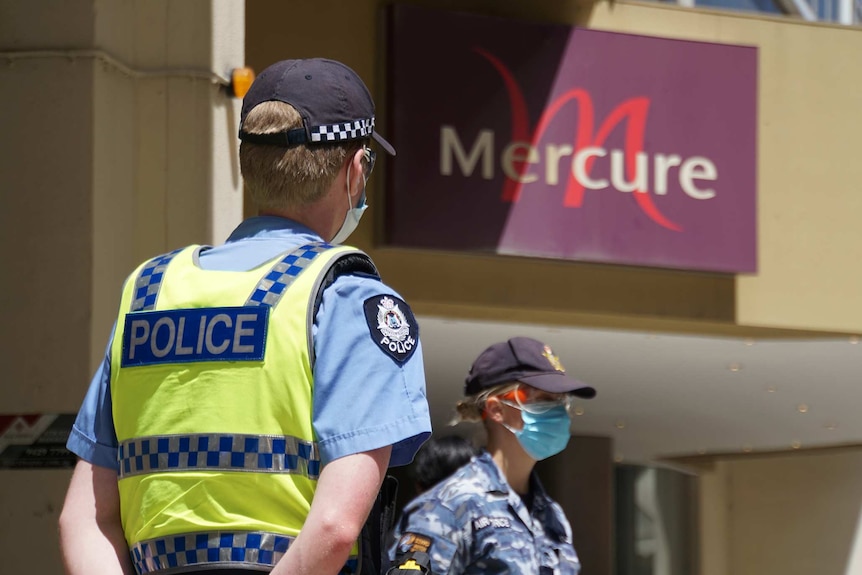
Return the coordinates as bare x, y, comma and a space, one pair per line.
545, 140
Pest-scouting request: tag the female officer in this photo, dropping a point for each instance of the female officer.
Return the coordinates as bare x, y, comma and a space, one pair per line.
492, 515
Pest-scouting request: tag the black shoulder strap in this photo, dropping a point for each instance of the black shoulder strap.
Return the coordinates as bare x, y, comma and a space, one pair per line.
348, 263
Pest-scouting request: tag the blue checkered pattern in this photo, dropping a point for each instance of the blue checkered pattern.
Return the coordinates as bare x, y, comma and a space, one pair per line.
219, 452
343, 131
216, 550
149, 281
272, 287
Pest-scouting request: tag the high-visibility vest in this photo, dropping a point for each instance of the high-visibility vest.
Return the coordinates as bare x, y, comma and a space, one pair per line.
211, 386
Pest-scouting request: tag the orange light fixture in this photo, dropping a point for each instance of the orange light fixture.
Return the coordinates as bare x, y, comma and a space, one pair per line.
240, 81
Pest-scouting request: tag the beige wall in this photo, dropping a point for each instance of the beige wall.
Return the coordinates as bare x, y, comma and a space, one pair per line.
117, 146
108, 157
809, 171
791, 514
713, 520
46, 218
47, 115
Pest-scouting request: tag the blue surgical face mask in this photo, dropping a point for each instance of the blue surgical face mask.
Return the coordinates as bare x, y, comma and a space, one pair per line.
353, 215
544, 434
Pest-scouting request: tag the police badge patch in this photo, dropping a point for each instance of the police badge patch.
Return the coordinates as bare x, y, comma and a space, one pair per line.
392, 325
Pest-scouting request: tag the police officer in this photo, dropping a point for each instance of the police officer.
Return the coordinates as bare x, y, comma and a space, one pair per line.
492, 515
253, 394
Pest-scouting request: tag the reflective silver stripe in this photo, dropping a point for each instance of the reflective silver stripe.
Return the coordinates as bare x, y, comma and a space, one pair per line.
215, 549
271, 288
219, 452
149, 281
250, 549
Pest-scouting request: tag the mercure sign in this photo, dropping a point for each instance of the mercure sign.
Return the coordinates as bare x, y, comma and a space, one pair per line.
551, 141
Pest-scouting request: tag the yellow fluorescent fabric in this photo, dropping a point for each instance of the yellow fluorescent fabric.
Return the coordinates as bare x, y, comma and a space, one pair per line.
272, 397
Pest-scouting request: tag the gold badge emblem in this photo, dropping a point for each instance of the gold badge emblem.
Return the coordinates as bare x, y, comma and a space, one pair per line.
553, 359
412, 542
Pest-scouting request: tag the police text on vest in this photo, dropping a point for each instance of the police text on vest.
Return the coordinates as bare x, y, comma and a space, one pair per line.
195, 335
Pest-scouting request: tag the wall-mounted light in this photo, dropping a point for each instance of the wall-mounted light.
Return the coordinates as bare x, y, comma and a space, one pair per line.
240, 82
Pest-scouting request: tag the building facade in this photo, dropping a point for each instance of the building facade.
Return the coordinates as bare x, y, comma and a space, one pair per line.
120, 143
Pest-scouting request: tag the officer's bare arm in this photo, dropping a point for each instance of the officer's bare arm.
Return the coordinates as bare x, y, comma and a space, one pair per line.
91, 535
345, 493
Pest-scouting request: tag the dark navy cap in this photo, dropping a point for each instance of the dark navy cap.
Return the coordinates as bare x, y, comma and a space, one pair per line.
526, 360
332, 99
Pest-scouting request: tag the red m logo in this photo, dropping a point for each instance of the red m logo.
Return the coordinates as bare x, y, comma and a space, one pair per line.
634, 111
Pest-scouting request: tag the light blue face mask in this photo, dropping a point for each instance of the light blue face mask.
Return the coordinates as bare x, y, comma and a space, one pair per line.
353, 215
544, 434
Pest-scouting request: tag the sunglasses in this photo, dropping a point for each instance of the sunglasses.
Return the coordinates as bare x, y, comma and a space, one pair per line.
534, 400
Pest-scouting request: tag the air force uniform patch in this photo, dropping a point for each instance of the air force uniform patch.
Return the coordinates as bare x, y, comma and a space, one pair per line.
392, 325
411, 542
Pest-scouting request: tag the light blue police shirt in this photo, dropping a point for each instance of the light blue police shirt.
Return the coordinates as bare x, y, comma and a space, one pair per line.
389, 406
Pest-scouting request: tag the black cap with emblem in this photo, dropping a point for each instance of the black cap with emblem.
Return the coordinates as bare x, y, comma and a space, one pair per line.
332, 99
526, 360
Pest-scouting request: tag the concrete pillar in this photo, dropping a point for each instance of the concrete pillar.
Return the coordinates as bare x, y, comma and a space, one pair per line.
118, 144
580, 479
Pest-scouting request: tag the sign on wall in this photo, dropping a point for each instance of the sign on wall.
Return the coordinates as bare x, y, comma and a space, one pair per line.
543, 140
35, 441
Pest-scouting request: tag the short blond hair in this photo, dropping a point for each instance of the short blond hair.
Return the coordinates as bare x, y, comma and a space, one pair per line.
278, 177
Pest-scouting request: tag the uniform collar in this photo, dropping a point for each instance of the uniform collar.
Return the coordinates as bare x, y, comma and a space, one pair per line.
542, 503
498, 480
269, 227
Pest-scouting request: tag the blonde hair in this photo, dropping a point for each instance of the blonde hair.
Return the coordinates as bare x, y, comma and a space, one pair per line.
471, 407
279, 178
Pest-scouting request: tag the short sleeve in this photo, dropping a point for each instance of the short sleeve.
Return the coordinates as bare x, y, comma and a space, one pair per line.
367, 394
93, 437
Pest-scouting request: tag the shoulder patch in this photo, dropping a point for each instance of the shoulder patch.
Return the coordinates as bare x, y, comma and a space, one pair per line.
392, 326
411, 543
495, 522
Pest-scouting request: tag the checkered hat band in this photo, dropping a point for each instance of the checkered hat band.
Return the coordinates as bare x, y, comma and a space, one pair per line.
219, 452
149, 281
217, 549
343, 131
280, 276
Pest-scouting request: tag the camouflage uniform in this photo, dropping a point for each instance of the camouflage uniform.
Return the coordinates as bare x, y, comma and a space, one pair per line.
474, 523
